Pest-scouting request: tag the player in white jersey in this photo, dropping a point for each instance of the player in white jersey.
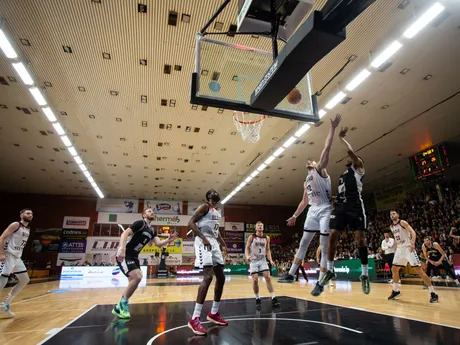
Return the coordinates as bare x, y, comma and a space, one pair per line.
12, 242
317, 194
205, 224
257, 251
405, 253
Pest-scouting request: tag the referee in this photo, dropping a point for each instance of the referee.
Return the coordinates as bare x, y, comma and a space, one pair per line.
388, 247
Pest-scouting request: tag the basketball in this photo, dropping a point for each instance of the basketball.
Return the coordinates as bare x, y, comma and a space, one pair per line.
294, 97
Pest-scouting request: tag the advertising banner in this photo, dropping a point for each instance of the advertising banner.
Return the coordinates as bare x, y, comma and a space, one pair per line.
74, 234
72, 246
130, 218
164, 207
173, 248
233, 226
188, 259
98, 244
235, 259
188, 247
46, 240
88, 277
275, 238
70, 259
234, 236
235, 247
71, 222
267, 227
117, 205
174, 260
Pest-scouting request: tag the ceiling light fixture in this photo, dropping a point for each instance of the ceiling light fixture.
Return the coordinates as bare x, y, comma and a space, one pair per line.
386, 54
49, 114
335, 100
38, 96
23, 73
72, 151
289, 142
358, 80
279, 151
424, 20
6, 46
65, 139
321, 113
302, 130
57, 126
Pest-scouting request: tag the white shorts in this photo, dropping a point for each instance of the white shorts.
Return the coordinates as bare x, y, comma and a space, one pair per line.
12, 264
258, 266
404, 256
318, 218
206, 257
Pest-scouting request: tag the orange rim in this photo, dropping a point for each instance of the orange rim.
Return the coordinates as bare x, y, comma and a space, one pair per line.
262, 117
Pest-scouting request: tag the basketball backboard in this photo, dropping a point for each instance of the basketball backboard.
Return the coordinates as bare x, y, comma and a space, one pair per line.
227, 74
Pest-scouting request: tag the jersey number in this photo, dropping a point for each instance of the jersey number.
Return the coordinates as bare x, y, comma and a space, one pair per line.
260, 250
23, 243
397, 238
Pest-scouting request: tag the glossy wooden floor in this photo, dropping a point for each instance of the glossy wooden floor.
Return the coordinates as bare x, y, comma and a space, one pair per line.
42, 308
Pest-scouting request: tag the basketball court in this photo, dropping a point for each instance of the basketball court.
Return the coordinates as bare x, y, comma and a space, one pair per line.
257, 88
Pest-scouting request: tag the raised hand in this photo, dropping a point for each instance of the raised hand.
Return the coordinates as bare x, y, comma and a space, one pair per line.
336, 121
343, 132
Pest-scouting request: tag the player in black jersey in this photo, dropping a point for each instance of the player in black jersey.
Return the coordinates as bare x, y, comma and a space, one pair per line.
132, 241
349, 212
436, 257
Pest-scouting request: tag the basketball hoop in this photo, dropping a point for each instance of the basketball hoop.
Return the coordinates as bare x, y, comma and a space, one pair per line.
248, 125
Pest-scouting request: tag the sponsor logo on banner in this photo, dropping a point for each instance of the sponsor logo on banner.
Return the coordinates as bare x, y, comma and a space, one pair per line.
174, 220
164, 207
174, 247
130, 218
174, 260
233, 226
74, 234
235, 247
71, 222
267, 227
234, 235
188, 259
72, 246
188, 247
102, 244
117, 205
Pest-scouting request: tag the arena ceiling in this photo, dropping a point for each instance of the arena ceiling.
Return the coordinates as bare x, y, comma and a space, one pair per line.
96, 91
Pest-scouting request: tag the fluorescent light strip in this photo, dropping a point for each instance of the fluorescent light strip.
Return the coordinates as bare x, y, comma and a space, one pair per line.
98, 191
321, 113
87, 174
279, 151
261, 167
82, 167
255, 173
269, 160
358, 80
23, 73
386, 54
65, 139
248, 179
90, 179
78, 160
289, 142
93, 184
49, 114
57, 126
72, 151
38, 96
302, 130
335, 100
242, 184
424, 20
237, 189
6, 46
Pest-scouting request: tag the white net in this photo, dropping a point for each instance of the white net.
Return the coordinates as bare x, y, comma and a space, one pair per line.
248, 125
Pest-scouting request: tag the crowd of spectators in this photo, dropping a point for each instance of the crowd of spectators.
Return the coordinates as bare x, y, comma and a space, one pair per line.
428, 215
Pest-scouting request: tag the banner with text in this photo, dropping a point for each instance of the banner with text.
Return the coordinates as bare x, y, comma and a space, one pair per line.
234, 226
72, 246
235, 247
98, 244
188, 247
72, 222
164, 207
234, 235
117, 205
188, 259
130, 218
70, 259
46, 240
172, 248
74, 234
267, 227
389, 197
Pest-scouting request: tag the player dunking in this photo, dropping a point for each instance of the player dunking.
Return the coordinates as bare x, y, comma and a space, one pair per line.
317, 193
205, 224
405, 238
132, 241
436, 257
349, 211
257, 251
12, 242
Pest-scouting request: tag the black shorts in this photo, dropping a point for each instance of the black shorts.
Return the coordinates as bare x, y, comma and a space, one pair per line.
349, 214
128, 265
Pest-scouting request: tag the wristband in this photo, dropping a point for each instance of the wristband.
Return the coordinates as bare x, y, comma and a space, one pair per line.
294, 216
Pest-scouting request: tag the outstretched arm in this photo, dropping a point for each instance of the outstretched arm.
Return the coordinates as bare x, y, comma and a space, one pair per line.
324, 159
300, 208
159, 243
357, 162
